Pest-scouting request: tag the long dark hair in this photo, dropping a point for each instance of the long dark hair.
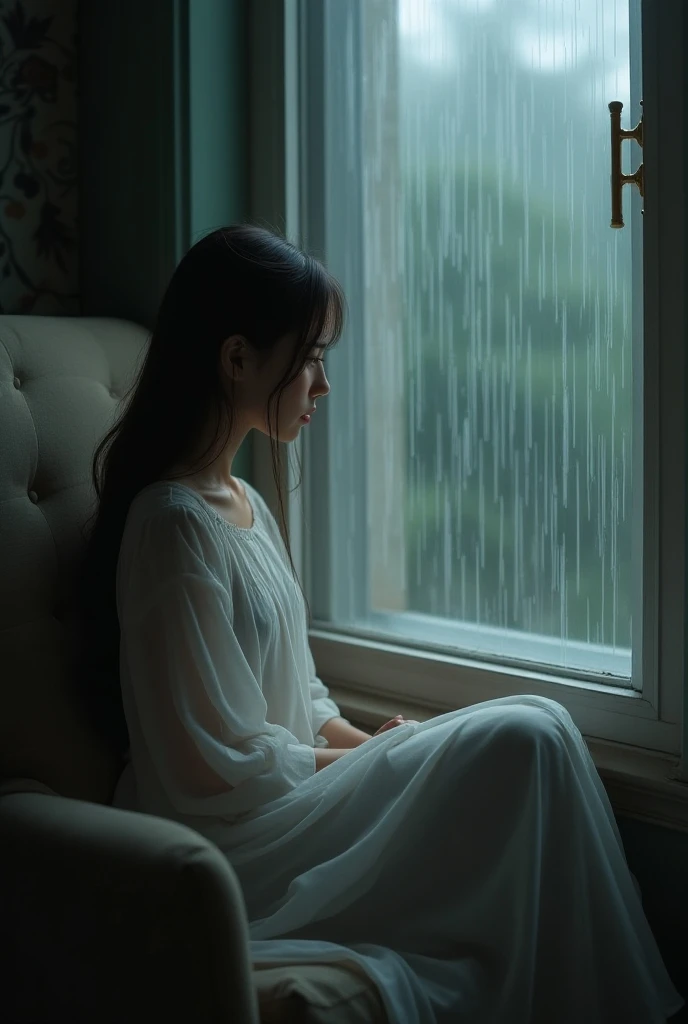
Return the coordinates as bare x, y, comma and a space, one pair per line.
239, 280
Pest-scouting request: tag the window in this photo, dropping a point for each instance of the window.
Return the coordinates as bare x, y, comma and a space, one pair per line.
494, 487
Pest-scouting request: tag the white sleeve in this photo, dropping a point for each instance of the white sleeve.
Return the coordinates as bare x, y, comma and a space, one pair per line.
323, 708
200, 706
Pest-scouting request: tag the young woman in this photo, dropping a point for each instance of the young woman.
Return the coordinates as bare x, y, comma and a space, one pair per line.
471, 865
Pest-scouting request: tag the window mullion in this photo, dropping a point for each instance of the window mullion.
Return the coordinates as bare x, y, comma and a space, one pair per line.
337, 447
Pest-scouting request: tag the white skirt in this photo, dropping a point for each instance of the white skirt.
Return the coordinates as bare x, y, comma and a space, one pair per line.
471, 865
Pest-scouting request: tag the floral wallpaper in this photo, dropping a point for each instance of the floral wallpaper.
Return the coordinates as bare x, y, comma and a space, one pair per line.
38, 165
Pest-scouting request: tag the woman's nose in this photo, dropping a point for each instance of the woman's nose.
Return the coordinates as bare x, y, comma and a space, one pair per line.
321, 387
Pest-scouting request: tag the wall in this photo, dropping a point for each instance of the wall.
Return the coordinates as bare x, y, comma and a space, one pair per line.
659, 857
164, 148
38, 158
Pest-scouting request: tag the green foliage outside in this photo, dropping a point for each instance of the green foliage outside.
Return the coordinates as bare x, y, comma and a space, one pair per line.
527, 361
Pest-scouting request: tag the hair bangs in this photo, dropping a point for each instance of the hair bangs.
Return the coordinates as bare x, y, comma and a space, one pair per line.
327, 312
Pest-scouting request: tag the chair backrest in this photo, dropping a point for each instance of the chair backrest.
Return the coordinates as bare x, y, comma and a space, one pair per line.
61, 379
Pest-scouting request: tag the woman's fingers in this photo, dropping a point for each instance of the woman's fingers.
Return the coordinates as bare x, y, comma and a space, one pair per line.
390, 725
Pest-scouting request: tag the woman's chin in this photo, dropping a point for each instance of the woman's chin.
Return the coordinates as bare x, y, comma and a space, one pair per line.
286, 432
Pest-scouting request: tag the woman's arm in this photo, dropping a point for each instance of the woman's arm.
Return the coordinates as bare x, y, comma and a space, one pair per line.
345, 736
341, 734
326, 755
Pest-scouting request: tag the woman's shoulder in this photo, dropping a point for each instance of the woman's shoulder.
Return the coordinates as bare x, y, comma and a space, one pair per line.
168, 535
165, 500
165, 516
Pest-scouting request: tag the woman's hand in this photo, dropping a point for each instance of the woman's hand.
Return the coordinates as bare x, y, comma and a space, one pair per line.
398, 720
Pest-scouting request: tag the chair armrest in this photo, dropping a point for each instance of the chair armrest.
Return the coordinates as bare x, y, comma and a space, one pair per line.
118, 916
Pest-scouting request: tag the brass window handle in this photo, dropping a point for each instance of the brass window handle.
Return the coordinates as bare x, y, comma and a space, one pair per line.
618, 180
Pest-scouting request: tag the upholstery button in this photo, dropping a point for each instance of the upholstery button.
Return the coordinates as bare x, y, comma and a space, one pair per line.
17, 382
33, 497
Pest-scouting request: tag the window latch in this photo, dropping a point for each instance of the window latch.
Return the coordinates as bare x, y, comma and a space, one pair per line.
618, 179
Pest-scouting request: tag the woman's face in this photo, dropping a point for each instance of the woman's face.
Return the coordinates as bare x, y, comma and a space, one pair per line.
297, 399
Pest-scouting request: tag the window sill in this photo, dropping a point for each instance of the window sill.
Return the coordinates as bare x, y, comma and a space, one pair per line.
640, 783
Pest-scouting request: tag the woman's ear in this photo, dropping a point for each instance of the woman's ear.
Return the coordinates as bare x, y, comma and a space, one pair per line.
234, 352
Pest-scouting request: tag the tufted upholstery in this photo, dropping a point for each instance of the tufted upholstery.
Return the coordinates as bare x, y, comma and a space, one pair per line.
56, 402
87, 887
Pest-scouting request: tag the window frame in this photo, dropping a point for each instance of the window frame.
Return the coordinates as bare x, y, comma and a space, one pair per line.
366, 672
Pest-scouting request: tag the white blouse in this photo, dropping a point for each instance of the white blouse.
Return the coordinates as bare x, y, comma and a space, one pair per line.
219, 686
